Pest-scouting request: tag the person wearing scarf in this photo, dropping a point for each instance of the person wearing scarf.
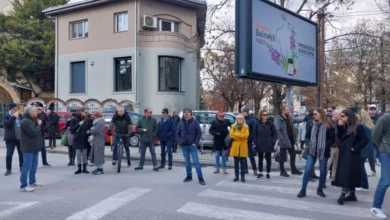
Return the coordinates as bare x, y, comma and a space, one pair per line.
319, 138
239, 133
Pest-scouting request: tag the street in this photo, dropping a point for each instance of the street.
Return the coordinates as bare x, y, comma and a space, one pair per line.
148, 194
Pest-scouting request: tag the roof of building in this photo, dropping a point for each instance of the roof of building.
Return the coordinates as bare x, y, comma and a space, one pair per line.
199, 5
21, 86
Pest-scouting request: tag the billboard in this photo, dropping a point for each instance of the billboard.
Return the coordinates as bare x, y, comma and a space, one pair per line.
274, 44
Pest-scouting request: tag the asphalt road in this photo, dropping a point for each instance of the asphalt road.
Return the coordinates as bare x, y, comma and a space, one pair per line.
152, 195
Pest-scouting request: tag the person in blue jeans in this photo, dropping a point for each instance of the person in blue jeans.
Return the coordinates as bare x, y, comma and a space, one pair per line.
188, 134
43, 117
381, 138
30, 145
219, 129
166, 132
319, 138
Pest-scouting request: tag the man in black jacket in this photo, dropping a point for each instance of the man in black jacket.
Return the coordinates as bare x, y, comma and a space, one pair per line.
219, 129
43, 117
11, 121
251, 154
30, 145
176, 120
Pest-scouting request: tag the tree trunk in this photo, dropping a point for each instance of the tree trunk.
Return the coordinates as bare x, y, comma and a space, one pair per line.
277, 98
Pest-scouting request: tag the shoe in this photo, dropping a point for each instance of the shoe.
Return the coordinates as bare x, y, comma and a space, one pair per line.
340, 201
98, 172
296, 172
246, 172
243, 179
202, 182
235, 179
91, 165
70, 163
284, 174
260, 176
333, 183
138, 168
8, 173
351, 197
129, 163
224, 171
47, 165
94, 172
36, 184
268, 177
155, 169
378, 213
169, 167
216, 171
78, 171
114, 162
161, 167
378, 163
27, 189
324, 187
321, 193
255, 173
301, 193
372, 174
85, 168
361, 189
187, 179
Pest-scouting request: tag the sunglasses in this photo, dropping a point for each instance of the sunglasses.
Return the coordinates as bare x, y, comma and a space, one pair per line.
343, 116
150, 112
40, 109
265, 114
315, 114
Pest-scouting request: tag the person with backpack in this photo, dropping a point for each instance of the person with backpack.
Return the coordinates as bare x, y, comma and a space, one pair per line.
219, 129
264, 138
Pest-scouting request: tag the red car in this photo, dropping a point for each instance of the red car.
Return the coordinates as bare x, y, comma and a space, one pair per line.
63, 118
135, 139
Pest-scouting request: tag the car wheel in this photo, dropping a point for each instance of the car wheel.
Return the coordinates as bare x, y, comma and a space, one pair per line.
134, 141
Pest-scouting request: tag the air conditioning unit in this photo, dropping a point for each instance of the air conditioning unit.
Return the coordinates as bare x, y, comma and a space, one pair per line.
149, 22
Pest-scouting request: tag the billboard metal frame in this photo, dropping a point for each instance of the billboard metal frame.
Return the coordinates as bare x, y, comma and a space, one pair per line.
243, 45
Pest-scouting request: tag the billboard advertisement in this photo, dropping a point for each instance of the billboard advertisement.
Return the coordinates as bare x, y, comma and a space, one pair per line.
274, 44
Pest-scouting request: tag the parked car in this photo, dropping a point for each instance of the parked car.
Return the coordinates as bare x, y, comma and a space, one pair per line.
205, 118
63, 118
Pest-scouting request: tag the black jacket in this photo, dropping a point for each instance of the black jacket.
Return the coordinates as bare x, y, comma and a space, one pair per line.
264, 136
219, 129
43, 117
9, 127
53, 123
30, 135
80, 136
122, 124
330, 138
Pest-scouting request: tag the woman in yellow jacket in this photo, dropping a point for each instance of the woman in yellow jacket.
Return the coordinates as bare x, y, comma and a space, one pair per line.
239, 132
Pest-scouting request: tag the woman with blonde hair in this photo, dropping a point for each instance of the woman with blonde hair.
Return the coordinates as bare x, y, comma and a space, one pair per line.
368, 151
239, 133
98, 142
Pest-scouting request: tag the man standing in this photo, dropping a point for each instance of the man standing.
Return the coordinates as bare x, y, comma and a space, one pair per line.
52, 127
334, 150
188, 134
372, 160
166, 132
123, 126
43, 117
220, 129
381, 138
147, 128
176, 120
374, 113
30, 144
287, 139
11, 122
250, 122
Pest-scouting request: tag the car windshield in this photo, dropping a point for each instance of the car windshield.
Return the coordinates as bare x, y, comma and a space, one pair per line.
134, 117
108, 118
66, 117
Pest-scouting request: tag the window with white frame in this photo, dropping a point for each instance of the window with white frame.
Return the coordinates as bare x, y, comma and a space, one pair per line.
166, 25
79, 29
123, 74
121, 22
169, 73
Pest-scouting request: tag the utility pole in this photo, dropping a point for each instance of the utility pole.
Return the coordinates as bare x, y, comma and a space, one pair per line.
321, 56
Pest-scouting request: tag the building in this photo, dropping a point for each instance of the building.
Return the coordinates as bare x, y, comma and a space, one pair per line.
134, 53
5, 6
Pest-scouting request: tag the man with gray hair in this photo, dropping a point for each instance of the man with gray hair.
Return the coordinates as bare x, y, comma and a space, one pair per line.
30, 145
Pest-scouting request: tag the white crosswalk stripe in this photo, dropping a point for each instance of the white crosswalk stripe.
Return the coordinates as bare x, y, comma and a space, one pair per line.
17, 206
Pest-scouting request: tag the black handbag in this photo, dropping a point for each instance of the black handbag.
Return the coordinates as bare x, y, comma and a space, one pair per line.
278, 155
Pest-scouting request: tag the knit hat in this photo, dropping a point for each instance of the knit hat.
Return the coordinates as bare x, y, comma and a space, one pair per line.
165, 110
12, 105
187, 110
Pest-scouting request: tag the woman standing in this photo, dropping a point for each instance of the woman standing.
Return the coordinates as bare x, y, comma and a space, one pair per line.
69, 136
52, 127
239, 132
264, 138
320, 136
349, 170
368, 150
80, 130
98, 142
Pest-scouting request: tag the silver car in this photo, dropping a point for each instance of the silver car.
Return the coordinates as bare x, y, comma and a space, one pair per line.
205, 117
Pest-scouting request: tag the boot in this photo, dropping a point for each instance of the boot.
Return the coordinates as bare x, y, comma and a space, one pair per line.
283, 171
351, 197
216, 171
73, 156
340, 201
78, 170
85, 168
70, 156
295, 171
243, 178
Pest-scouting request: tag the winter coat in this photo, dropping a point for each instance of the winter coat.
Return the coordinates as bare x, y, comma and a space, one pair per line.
98, 141
43, 117
122, 124
264, 136
349, 169
381, 132
188, 131
152, 129
219, 129
53, 123
368, 150
330, 138
250, 122
240, 141
30, 135
80, 136
281, 129
166, 129
9, 127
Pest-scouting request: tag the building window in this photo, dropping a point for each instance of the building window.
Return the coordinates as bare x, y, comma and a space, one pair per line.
77, 77
165, 25
121, 22
79, 29
169, 73
123, 74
